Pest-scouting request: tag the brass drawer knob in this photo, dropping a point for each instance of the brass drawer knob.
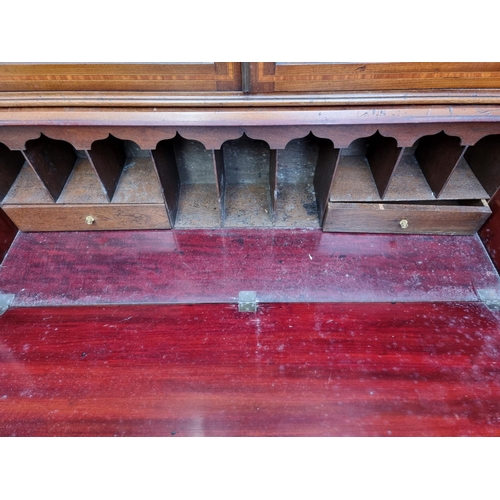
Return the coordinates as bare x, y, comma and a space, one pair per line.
89, 220
403, 223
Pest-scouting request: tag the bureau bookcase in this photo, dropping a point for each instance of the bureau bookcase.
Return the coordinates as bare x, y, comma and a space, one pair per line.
411, 148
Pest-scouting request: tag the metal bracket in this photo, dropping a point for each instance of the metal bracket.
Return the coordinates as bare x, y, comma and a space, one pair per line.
247, 301
490, 298
5, 301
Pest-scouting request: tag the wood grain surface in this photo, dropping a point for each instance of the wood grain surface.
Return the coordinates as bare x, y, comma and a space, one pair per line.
438, 155
383, 156
53, 161
119, 77
168, 173
222, 99
421, 369
307, 77
421, 219
241, 116
286, 265
105, 217
220, 178
342, 127
484, 160
324, 174
108, 159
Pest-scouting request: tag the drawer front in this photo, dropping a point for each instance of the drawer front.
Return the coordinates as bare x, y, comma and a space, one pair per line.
87, 217
404, 219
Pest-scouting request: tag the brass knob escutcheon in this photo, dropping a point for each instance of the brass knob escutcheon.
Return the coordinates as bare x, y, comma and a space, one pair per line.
403, 223
89, 220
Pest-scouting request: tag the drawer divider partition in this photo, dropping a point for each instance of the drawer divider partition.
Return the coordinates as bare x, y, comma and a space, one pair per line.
168, 173
108, 157
383, 155
328, 159
438, 155
53, 161
220, 181
484, 160
273, 181
11, 163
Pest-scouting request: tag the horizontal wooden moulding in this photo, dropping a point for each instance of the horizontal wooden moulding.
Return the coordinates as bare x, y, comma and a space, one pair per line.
446, 218
249, 117
144, 99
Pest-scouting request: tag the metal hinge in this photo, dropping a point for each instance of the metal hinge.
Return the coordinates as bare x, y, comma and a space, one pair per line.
5, 301
490, 297
247, 301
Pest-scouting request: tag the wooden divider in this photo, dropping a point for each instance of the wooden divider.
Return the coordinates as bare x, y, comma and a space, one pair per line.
218, 160
328, 158
484, 160
11, 163
53, 161
273, 180
166, 166
438, 156
383, 155
108, 158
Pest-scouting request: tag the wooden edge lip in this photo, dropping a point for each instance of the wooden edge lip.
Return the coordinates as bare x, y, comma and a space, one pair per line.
247, 117
414, 208
107, 99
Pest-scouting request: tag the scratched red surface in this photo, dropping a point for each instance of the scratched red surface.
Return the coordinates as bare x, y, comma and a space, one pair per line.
422, 369
214, 266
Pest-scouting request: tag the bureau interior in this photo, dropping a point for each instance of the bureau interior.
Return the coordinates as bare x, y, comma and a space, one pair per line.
310, 183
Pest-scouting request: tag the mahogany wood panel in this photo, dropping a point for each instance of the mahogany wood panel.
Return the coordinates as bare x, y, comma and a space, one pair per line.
328, 158
438, 156
8, 232
98, 267
108, 158
53, 162
484, 160
120, 77
383, 156
168, 173
312, 77
421, 219
11, 163
73, 217
421, 369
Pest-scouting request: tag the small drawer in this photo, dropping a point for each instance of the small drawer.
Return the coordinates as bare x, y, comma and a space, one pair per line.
406, 218
87, 217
